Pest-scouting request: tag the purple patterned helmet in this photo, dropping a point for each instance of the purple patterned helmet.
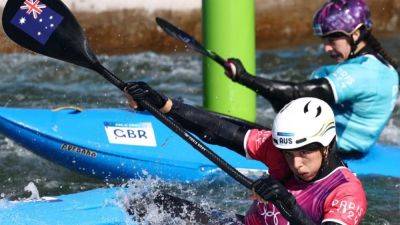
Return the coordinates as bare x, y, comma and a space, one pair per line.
344, 16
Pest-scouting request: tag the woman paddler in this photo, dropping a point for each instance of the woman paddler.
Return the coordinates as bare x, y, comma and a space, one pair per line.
308, 182
362, 87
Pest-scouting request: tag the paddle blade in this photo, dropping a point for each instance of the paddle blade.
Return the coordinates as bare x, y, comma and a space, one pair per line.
47, 27
177, 33
180, 35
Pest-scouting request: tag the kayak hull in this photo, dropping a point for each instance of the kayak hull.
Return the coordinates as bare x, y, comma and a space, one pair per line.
123, 144
104, 143
105, 206
93, 207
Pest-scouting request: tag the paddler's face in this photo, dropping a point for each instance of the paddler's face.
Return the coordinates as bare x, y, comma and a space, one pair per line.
337, 48
304, 164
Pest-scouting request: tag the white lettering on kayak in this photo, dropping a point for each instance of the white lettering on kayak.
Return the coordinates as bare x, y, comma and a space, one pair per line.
140, 134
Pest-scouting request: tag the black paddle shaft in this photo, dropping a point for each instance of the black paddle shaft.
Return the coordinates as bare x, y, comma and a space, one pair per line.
68, 43
190, 41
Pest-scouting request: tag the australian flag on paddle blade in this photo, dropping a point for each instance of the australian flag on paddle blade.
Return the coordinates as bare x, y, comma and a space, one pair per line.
37, 20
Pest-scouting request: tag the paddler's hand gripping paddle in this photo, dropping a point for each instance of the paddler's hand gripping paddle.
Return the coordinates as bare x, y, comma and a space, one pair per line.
50, 29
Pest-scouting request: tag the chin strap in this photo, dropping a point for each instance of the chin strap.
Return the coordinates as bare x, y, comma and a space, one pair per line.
353, 46
331, 161
354, 43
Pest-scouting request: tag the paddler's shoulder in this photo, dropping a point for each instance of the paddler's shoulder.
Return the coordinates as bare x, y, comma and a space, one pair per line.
350, 190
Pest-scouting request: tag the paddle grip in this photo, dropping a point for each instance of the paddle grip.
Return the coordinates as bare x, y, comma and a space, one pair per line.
208, 153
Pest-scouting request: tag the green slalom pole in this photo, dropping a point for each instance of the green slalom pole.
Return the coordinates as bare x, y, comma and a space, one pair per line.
228, 29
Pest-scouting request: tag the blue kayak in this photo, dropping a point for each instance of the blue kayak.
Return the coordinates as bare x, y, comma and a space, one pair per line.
121, 144
113, 144
98, 206
108, 206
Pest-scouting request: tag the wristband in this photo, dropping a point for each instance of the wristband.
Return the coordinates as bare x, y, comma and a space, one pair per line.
167, 107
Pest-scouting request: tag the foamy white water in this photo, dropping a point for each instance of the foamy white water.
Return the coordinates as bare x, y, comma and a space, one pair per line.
31, 187
140, 194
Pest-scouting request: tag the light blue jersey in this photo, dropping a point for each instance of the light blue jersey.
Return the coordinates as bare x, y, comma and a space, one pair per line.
365, 92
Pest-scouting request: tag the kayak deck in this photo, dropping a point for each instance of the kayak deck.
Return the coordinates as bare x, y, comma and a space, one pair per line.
104, 206
123, 144
113, 144
91, 207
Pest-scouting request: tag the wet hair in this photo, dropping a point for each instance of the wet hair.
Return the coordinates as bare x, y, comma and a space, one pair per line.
377, 47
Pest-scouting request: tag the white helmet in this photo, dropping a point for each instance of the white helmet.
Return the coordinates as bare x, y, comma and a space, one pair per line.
304, 121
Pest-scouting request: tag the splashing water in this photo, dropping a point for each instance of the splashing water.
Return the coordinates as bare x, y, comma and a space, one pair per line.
148, 202
38, 82
139, 200
31, 187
